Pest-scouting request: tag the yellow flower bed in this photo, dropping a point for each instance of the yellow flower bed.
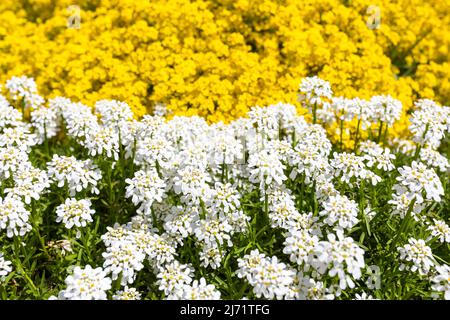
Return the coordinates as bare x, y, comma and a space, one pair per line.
218, 58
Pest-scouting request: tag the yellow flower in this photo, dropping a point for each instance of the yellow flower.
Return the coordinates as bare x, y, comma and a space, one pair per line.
219, 58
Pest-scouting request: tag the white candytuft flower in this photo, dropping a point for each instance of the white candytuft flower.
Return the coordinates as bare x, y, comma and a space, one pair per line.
386, 109
340, 212
266, 169
340, 256
5, 266
86, 284
268, 277
77, 175
440, 230
14, 217
127, 294
45, 122
198, 290
417, 256
314, 90
419, 183
441, 281
145, 188
125, 259
75, 212
173, 276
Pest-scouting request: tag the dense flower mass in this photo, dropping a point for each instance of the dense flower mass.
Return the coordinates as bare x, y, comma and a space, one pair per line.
218, 58
269, 206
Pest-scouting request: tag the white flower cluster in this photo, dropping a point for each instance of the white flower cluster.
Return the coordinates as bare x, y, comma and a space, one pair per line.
441, 281
419, 183
75, 212
85, 284
145, 188
24, 89
127, 293
314, 90
5, 266
379, 110
417, 256
205, 186
268, 277
14, 217
429, 123
46, 122
77, 175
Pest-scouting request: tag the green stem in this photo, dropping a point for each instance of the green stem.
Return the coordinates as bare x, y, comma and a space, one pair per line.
314, 113
405, 223
357, 136
380, 130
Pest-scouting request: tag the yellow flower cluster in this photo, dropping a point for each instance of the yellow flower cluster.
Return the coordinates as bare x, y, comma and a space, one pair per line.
217, 58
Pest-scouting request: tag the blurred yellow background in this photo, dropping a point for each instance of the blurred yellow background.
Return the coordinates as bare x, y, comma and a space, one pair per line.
217, 58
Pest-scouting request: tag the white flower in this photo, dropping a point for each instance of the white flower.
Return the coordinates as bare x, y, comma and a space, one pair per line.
434, 159
173, 276
341, 257
102, 141
123, 258
25, 89
74, 212
300, 245
160, 110
191, 182
5, 266
440, 230
79, 120
311, 289
401, 203
248, 263
224, 149
419, 181
441, 281
377, 156
113, 112
266, 169
386, 109
9, 116
314, 90
160, 251
14, 217
363, 296
76, 174
86, 284
19, 137
348, 165
11, 160
214, 232
46, 123
225, 198
268, 277
31, 177
309, 158
179, 222
428, 123
343, 108
127, 294
145, 188
200, 290
417, 255
211, 256
341, 212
